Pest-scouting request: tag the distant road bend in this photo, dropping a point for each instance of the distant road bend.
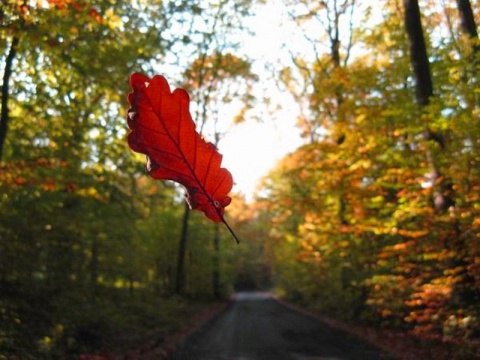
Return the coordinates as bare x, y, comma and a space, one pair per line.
257, 327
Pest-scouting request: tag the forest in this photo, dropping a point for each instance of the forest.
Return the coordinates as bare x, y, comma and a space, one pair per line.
373, 220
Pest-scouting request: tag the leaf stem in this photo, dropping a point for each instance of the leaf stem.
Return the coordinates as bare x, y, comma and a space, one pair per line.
230, 230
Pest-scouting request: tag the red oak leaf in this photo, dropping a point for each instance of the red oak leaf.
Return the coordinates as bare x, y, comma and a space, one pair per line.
162, 128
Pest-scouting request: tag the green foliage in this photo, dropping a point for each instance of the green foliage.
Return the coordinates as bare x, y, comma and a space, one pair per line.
88, 244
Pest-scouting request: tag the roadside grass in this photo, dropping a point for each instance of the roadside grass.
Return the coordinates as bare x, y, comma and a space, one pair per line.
82, 326
402, 344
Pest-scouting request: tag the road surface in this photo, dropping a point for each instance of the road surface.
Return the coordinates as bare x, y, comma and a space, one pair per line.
257, 327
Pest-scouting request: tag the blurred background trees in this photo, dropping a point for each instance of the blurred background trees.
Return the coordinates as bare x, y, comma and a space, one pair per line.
374, 218
86, 239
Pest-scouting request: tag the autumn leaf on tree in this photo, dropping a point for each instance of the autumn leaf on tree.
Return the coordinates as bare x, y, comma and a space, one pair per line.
162, 128
78, 6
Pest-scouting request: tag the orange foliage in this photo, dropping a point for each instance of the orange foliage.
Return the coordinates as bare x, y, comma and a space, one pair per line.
78, 6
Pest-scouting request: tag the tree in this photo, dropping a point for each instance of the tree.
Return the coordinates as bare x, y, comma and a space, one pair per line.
386, 258
418, 53
4, 119
203, 80
330, 48
80, 225
214, 82
467, 18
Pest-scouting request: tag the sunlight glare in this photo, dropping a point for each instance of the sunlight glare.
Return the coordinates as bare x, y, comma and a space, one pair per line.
251, 149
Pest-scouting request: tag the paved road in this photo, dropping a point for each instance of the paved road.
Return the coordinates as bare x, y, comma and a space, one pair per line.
256, 327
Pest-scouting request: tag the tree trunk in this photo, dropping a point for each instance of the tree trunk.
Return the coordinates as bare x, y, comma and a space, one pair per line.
424, 91
182, 248
216, 264
443, 188
467, 19
4, 118
418, 53
469, 27
465, 291
94, 266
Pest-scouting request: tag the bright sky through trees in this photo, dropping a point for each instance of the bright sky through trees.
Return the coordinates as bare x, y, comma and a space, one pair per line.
252, 148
